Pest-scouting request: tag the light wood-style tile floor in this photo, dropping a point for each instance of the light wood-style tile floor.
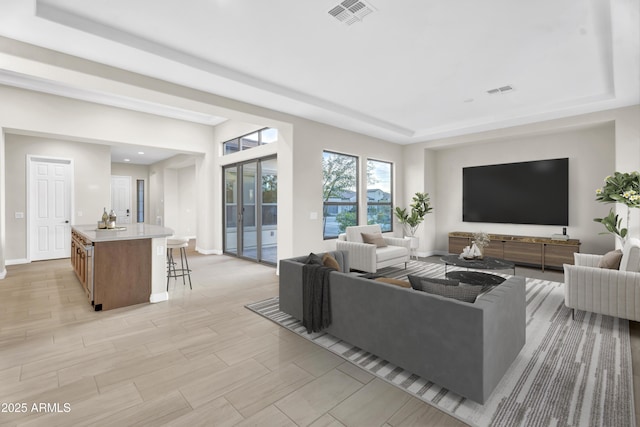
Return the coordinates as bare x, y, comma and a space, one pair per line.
199, 359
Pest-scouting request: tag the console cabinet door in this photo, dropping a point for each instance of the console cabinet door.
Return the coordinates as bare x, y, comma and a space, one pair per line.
557, 255
523, 253
457, 244
495, 249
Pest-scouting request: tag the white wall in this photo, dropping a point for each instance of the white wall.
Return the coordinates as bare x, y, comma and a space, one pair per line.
597, 144
83, 121
91, 183
170, 199
63, 127
299, 149
591, 158
3, 270
628, 155
311, 139
186, 202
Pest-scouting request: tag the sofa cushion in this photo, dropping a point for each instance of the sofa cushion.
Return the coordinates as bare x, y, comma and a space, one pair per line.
313, 259
354, 233
611, 260
392, 281
631, 256
374, 239
462, 293
329, 261
416, 281
390, 252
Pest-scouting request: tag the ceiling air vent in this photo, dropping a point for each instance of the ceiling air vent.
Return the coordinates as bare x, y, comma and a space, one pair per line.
502, 89
351, 11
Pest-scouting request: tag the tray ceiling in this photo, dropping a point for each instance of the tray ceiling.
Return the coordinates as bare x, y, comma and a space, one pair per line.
407, 72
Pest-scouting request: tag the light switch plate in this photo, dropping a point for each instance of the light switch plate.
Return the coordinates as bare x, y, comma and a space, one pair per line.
19, 215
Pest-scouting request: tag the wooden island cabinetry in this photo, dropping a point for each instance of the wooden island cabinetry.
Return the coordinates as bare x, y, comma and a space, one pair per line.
542, 252
122, 267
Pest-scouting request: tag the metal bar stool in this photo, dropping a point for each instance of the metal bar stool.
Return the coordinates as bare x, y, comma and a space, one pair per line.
172, 271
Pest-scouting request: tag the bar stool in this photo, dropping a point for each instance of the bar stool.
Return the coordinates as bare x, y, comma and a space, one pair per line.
172, 271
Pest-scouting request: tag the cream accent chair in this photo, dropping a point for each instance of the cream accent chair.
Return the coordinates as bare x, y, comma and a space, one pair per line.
604, 291
368, 257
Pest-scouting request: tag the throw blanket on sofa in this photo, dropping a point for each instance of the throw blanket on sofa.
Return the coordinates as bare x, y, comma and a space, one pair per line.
316, 307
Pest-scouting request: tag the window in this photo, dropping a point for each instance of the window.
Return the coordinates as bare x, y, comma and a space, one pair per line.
339, 193
140, 200
254, 139
379, 194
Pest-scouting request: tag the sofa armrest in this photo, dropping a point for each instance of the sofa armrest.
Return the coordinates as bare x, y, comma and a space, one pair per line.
586, 260
398, 241
362, 256
290, 281
504, 328
602, 290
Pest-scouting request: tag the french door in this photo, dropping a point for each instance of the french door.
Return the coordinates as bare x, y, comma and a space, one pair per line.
250, 210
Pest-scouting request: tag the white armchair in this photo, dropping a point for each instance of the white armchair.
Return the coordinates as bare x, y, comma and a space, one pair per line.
368, 257
605, 291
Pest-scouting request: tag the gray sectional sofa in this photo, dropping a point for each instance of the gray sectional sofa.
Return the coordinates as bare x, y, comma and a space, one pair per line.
464, 347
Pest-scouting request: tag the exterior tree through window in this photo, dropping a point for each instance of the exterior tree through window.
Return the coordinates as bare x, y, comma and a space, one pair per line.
339, 193
380, 194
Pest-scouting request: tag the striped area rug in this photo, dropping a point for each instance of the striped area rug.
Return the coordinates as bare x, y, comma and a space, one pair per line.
569, 373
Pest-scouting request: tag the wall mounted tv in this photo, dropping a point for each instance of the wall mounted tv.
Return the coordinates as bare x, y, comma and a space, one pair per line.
534, 192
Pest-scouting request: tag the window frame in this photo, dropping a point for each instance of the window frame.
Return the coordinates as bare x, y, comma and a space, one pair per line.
355, 204
391, 193
238, 141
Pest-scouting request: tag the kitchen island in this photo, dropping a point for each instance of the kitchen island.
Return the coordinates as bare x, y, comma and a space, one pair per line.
122, 266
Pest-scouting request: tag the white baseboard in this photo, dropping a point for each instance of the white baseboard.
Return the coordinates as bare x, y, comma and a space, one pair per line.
17, 261
426, 254
3, 274
159, 297
208, 251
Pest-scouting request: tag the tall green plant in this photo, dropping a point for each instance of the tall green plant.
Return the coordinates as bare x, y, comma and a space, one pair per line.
420, 207
619, 188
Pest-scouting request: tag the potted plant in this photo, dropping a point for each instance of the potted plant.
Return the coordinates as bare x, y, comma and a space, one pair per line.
410, 221
620, 188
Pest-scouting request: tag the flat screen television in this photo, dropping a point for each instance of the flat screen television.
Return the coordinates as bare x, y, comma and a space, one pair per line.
535, 192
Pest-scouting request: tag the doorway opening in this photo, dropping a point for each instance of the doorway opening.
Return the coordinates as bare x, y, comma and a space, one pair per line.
251, 210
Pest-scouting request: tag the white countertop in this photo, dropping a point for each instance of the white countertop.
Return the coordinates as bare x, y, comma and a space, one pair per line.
131, 232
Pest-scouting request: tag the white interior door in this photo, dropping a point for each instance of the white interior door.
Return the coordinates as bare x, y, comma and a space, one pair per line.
121, 198
49, 208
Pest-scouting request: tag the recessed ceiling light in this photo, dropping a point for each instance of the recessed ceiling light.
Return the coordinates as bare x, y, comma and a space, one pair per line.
468, 100
140, 152
127, 160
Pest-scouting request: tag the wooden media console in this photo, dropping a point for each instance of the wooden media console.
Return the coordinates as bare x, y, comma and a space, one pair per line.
543, 252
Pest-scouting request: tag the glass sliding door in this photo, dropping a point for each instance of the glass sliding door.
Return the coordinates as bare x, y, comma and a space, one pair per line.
249, 238
231, 210
250, 214
269, 209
